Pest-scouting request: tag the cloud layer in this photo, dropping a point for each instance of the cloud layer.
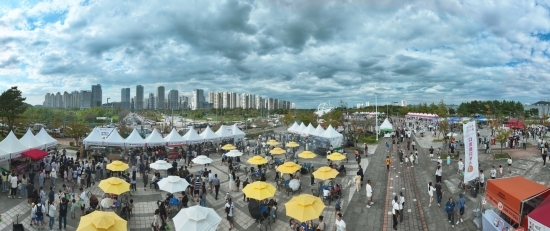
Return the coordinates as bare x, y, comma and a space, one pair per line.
304, 51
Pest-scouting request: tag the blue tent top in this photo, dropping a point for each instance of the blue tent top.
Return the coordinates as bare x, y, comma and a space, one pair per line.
453, 119
480, 118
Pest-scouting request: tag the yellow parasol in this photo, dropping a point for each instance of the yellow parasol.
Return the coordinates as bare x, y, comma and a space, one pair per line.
102, 221
272, 142
304, 207
259, 190
325, 173
117, 166
229, 147
258, 160
114, 185
292, 144
307, 155
336, 156
289, 168
277, 151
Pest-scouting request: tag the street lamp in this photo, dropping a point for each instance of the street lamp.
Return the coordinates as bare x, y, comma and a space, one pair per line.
376, 106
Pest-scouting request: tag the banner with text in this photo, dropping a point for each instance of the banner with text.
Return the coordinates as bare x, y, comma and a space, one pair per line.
470, 145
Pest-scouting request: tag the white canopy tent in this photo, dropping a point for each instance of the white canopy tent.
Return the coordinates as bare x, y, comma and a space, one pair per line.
333, 136
300, 129
155, 139
174, 138
114, 139
292, 129
386, 126
30, 141
310, 130
12, 145
319, 130
94, 138
224, 132
192, 137
209, 135
237, 133
134, 140
45, 138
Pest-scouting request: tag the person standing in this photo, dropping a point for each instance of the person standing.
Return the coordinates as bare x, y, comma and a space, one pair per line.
509, 161
360, 173
53, 177
13, 184
63, 208
460, 166
357, 180
339, 224
38, 210
369, 194
438, 192
395, 211
450, 209
500, 170
232, 181
245, 183
401, 205
229, 211
460, 202
388, 162
51, 214
216, 182
312, 177
438, 173
493, 172
431, 191
145, 176
544, 155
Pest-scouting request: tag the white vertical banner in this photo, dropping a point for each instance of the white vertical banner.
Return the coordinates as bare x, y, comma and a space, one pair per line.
471, 158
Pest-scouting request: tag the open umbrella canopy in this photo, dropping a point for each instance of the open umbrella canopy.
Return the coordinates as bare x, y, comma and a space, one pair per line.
160, 165
114, 185
294, 184
258, 160
452, 134
304, 207
229, 147
197, 218
117, 166
234, 153
102, 221
288, 168
292, 144
272, 142
259, 190
307, 155
202, 159
277, 151
106, 203
173, 184
336, 156
325, 173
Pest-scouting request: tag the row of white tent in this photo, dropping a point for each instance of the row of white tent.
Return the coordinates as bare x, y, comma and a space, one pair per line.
11, 147
156, 139
309, 130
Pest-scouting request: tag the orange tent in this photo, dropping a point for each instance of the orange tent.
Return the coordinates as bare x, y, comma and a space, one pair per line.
509, 195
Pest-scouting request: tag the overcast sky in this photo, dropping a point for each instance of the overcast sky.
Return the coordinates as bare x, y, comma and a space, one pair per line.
308, 52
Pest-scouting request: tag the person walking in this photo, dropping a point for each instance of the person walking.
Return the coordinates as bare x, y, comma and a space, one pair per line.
51, 213
369, 194
339, 224
357, 180
395, 211
460, 167
388, 162
481, 180
229, 211
53, 177
438, 173
361, 173
500, 170
245, 183
544, 155
431, 191
401, 205
460, 202
438, 192
493, 172
216, 182
450, 209
38, 211
509, 161
145, 177
63, 208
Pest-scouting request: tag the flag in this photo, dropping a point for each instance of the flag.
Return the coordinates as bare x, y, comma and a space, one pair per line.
471, 155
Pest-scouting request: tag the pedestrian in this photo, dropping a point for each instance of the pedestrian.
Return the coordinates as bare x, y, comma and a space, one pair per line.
63, 208
509, 161
431, 191
312, 177
460, 202
407, 160
481, 180
500, 170
395, 211
155, 225
448, 159
438, 173
438, 192
38, 211
51, 214
13, 184
369, 194
360, 172
388, 162
53, 177
493, 172
216, 185
450, 209
357, 182
339, 224
245, 183
544, 155
460, 167
416, 157
229, 211
401, 205
411, 157
82, 201
202, 198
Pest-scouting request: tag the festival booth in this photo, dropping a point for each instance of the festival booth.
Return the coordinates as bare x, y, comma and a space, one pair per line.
318, 131
515, 198
309, 131
300, 129
209, 135
114, 140
30, 141
515, 124
155, 139
386, 128
412, 115
10, 150
94, 138
134, 140
538, 219
224, 132
237, 133
292, 129
333, 137
174, 138
192, 137
45, 139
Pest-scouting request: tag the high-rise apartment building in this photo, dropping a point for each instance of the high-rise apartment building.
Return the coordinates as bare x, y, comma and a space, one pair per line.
138, 100
97, 96
85, 99
152, 102
403, 103
184, 102
198, 99
160, 98
173, 100
125, 98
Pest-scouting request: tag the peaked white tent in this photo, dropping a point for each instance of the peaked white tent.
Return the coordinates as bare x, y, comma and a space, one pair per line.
386, 126
45, 138
192, 137
155, 139
293, 128
319, 130
309, 130
224, 132
94, 138
134, 140
208, 134
237, 133
300, 129
114, 139
12, 145
174, 138
333, 136
30, 141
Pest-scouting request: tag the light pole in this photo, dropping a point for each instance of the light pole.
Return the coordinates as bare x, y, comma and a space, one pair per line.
376, 106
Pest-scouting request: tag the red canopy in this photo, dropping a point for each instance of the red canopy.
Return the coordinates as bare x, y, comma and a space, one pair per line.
35, 154
539, 216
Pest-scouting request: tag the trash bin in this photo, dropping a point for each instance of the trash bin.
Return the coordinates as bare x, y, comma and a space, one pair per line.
473, 192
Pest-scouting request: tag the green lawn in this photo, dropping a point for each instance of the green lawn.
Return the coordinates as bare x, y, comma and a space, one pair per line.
504, 155
368, 139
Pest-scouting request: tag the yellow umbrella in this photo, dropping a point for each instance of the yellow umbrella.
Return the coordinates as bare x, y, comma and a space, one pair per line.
336, 156
307, 155
289, 168
102, 221
258, 160
114, 185
229, 147
117, 166
292, 144
259, 190
272, 142
325, 173
277, 151
304, 207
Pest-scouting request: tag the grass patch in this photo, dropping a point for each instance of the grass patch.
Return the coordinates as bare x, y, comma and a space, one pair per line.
368, 139
444, 157
437, 140
72, 148
504, 155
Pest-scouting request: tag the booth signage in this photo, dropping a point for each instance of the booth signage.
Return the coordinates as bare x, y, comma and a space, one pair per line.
483, 201
471, 158
104, 132
503, 208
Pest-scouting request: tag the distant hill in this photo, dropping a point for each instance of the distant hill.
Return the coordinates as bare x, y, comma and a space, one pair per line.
541, 103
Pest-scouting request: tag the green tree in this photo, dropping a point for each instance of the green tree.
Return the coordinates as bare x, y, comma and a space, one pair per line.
502, 135
441, 110
443, 127
12, 106
76, 130
287, 119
